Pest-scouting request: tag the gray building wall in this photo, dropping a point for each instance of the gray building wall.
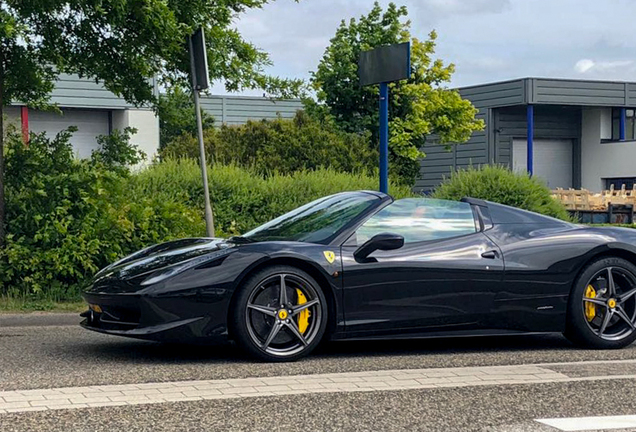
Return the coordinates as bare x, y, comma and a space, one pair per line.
440, 163
549, 122
235, 110
72, 91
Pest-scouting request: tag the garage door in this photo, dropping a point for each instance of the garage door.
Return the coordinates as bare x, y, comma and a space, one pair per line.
552, 160
89, 123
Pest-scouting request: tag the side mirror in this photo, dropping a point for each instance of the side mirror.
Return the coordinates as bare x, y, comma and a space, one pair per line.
382, 241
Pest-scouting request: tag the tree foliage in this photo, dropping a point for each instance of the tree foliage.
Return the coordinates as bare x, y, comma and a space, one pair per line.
419, 107
124, 44
177, 116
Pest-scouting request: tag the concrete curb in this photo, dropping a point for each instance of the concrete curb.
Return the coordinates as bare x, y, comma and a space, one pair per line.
39, 319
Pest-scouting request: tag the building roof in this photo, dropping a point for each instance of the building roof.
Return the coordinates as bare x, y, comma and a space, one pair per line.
71, 91
551, 91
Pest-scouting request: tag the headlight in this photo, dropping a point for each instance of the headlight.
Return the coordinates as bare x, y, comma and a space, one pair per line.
173, 270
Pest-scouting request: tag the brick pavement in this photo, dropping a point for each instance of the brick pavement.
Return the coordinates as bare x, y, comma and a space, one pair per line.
384, 380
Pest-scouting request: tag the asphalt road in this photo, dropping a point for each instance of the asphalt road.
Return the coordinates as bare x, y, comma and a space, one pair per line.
46, 357
43, 357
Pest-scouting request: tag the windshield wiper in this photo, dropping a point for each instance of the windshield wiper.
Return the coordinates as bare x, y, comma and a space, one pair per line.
240, 240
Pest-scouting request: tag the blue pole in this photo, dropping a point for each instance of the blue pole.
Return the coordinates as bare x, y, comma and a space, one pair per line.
530, 115
621, 125
384, 137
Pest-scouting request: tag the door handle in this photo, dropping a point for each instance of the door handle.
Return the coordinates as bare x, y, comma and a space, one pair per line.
490, 254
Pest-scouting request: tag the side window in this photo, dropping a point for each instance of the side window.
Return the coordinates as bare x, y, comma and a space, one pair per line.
420, 219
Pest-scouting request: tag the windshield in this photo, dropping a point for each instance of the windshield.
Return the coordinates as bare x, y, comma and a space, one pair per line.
315, 222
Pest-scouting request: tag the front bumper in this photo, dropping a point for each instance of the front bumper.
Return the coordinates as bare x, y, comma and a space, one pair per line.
184, 331
167, 318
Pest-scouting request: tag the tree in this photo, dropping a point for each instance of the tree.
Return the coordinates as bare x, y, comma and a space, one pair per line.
419, 107
122, 43
177, 116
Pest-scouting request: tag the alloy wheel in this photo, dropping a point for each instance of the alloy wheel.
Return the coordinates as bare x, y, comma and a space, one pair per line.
283, 314
609, 303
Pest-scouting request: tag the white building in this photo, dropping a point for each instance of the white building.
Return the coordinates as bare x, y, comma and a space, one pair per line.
96, 111
93, 110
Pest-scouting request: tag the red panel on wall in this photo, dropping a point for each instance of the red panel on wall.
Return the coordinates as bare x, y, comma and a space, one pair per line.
24, 114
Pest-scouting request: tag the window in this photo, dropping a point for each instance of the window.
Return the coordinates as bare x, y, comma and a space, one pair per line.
619, 182
315, 222
630, 124
420, 219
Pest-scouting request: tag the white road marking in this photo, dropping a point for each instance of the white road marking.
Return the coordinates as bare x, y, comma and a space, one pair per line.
591, 423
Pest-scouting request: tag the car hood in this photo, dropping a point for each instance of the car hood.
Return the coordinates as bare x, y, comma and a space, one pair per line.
157, 257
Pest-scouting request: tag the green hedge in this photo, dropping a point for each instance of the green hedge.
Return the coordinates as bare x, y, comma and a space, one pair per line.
66, 218
241, 199
501, 185
281, 146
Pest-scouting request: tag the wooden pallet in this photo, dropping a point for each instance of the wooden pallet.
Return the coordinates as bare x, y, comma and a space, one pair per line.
583, 199
622, 196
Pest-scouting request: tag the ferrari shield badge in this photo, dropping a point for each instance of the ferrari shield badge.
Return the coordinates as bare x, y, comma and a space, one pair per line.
330, 256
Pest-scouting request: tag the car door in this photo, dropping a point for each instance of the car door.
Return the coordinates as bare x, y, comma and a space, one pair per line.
444, 277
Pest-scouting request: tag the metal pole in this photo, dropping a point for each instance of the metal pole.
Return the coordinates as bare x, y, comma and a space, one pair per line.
530, 161
384, 137
621, 124
209, 218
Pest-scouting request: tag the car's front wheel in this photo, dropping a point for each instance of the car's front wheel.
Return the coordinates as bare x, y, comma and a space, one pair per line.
602, 305
280, 314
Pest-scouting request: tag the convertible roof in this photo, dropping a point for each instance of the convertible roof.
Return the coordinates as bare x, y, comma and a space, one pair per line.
371, 192
503, 214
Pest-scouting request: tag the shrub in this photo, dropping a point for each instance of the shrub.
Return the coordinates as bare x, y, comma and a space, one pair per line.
281, 146
66, 218
115, 151
241, 199
501, 185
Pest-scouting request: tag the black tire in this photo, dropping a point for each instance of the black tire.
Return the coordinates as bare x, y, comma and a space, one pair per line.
603, 317
269, 332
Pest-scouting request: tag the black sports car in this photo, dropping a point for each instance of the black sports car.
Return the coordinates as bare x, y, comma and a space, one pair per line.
361, 265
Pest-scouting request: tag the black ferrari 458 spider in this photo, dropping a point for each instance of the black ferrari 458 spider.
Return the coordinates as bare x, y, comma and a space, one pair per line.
361, 265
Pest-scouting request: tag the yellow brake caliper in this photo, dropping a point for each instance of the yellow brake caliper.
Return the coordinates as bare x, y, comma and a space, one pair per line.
303, 316
590, 308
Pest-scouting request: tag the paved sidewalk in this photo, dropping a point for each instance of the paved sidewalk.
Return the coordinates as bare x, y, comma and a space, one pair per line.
388, 380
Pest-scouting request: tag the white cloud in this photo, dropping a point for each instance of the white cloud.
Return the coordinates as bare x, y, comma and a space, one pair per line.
583, 65
616, 68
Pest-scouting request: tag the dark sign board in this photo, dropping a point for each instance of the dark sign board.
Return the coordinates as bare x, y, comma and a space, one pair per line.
385, 64
200, 79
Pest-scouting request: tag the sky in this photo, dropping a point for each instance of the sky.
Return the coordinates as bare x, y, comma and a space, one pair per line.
487, 40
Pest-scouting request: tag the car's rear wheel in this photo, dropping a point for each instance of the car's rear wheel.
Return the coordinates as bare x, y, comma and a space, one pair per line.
602, 305
280, 314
